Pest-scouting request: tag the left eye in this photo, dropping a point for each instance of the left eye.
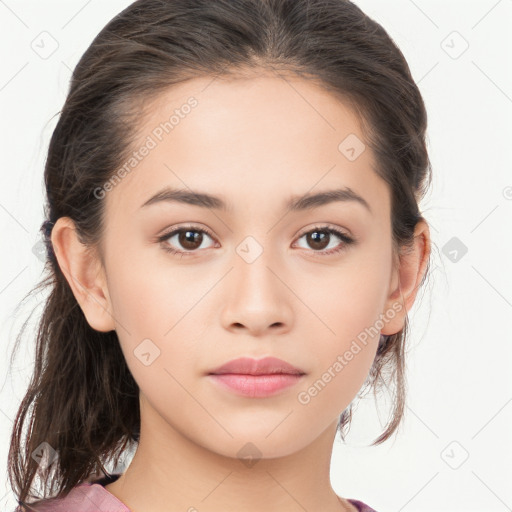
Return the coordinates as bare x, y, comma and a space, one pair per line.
319, 235
189, 238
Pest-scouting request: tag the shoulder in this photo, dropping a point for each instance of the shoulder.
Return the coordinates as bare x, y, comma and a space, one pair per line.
86, 497
360, 506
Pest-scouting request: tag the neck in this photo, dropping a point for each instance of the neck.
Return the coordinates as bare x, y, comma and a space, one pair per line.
169, 472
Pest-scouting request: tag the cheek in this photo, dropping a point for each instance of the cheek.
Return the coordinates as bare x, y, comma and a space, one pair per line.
154, 331
342, 358
350, 299
147, 299
156, 312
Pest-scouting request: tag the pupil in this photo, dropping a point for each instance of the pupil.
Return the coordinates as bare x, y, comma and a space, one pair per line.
188, 239
321, 239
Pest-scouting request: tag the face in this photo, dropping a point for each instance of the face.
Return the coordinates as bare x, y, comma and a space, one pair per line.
251, 276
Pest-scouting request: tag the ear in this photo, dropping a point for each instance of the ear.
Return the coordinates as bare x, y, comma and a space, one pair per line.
406, 279
84, 273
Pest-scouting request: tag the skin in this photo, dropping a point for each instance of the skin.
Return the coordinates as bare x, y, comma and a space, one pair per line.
254, 142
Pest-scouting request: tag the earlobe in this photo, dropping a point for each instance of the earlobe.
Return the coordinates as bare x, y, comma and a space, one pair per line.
84, 274
413, 263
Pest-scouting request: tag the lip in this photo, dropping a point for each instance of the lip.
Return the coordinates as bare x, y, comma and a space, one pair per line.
256, 378
250, 366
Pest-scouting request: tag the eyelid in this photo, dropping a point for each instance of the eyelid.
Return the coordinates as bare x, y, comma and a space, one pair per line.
322, 226
192, 227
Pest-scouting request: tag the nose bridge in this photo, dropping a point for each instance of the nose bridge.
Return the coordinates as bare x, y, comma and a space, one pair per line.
254, 260
257, 298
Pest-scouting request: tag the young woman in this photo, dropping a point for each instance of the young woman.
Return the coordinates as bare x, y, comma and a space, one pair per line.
234, 242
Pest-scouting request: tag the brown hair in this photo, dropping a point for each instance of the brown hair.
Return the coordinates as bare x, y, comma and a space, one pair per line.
83, 397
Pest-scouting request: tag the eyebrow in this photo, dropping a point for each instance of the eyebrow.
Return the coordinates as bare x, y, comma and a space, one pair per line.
307, 201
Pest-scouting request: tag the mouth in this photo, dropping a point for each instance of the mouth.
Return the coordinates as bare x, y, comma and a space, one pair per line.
256, 386
256, 378
255, 367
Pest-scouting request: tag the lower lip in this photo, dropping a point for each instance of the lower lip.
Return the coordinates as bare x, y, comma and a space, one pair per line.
256, 386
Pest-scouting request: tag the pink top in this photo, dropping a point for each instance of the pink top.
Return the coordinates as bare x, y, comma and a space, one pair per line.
93, 497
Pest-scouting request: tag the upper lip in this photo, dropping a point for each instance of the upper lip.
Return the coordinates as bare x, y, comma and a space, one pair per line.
250, 366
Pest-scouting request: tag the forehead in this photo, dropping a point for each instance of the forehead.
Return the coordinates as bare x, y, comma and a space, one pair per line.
259, 139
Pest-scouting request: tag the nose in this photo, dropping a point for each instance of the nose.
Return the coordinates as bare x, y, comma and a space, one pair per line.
258, 299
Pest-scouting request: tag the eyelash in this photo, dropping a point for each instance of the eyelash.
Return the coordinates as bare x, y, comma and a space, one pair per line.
324, 229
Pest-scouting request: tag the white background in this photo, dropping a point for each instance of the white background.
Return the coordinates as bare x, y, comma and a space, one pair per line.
460, 352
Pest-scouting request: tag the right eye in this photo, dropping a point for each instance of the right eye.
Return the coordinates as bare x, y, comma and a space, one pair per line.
319, 234
189, 238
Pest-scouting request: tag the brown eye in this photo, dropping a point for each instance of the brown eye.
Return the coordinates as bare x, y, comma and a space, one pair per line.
188, 240
320, 238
